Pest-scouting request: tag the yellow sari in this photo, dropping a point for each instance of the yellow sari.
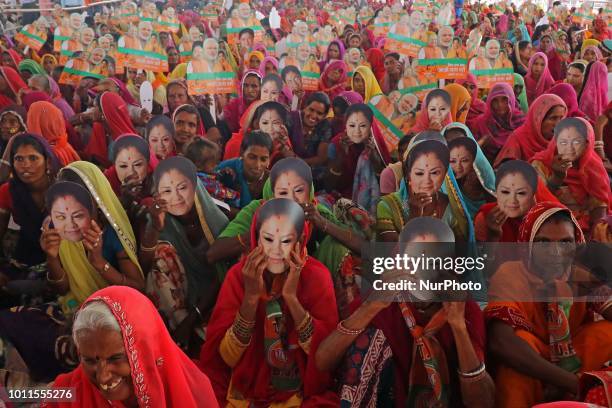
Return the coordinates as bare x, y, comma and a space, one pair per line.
372, 87
82, 276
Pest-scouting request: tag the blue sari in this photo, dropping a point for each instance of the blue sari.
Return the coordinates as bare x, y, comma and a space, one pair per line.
236, 182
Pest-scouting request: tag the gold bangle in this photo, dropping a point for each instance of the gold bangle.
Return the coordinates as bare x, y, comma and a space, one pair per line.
334, 172
347, 332
147, 249
304, 322
55, 280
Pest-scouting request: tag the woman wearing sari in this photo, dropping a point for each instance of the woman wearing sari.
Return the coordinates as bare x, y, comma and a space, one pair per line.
477, 106
113, 120
474, 174
10, 85
249, 92
541, 336
12, 121
517, 190
556, 65
33, 168
574, 172
275, 306
520, 93
357, 156
334, 237
10, 58
310, 133
269, 65
422, 194
533, 135
435, 112
334, 79
376, 58
365, 83
101, 251
591, 53
593, 97
538, 79
48, 121
147, 366
568, 94
183, 222
419, 352
335, 51
460, 102
502, 117
28, 68
247, 174
339, 106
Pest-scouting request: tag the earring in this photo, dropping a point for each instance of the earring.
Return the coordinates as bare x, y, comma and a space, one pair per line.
48, 172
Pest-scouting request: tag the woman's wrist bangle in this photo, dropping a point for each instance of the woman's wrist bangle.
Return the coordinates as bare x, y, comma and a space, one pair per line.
347, 332
197, 310
475, 373
5, 162
335, 172
241, 241
55, 280
148, 249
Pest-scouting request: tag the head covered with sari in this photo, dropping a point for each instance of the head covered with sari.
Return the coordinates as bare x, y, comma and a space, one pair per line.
372, 88
293, 371
84, 279
32, 67
593, 97
527, 139
14, 84
477, 106
588, 177
568, 94
460, 102
522, 97
160, 371
423, 121
536, 87
47, 120
332, 90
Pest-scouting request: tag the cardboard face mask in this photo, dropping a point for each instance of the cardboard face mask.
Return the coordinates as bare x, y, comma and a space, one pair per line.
71, 208
146, 96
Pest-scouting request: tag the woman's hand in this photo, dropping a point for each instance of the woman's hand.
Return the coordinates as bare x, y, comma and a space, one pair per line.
50, 240
92, 241
455, 314
560, 166
131, 189
158, 212
495, 220
252, 274
313, 215
419, 201
297, 259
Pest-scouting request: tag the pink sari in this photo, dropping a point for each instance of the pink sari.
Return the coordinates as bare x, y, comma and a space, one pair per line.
537, 87
593, 97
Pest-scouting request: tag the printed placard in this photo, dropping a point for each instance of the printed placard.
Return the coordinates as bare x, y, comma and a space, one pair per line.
486, 78
403, 45
383, 109
202, 83
420, 90
310, 80
441, 68
75, 70
31, 37
381, 29
233, 32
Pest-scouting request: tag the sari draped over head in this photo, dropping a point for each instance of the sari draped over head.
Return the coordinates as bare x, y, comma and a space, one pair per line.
232, 147
160, 372
376, 58
459, 97
15, 57
555, 63
179, 72
48, 121
212, 221
124, 92
32, 67
21, 114
568, 94
372, 88
527, 139
482, 168
58, 100
260, 56
593, 48
422, 119
233, 111
201, 129
14, 83
26, 212
316, 294
601, 30
588, 179
534, 87
593, 97
117, 121
333, 90
264, 62
324, 62
522, 98
477, 106
111, 172
497, 129
83, 278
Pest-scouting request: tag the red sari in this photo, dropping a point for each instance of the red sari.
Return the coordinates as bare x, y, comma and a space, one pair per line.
537, 87
14, 83
527, 140
162, 374
252, 374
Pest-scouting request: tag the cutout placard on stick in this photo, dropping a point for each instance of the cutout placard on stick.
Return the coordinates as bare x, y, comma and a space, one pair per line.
143, 50
209, 72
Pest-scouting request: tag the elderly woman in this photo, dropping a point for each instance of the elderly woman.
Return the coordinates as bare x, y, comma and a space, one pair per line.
274, 308
127, 357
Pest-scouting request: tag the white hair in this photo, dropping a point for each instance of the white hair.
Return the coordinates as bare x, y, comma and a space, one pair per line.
94, 316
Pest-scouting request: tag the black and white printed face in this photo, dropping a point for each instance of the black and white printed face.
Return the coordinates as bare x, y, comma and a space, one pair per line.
70, 218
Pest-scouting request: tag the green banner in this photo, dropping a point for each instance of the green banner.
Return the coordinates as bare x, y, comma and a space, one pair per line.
210, 75
61, 38
386, 122
442, 61
383, 24
83, 73
169, 24
142, 53
32, 36
237, 30
487, 72
310, 74
404, 39
418, 88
